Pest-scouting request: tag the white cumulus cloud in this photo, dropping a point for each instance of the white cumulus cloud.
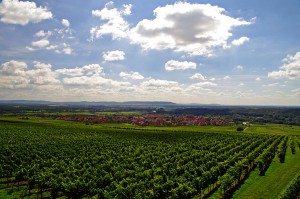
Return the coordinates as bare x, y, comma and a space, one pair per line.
177, 65
42, 33
131, 75
68, 50
159, 85
94, 80
22, 12
40, 43
290, 69
200, 87
87, 70
13, 68
15, 74
113, 55
61, 48
227, 78
240, 41
195, 29
239, 67
198, 76
65, 23
206, 84
115, 24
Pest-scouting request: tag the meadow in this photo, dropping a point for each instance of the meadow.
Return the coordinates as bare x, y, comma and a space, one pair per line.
47, 158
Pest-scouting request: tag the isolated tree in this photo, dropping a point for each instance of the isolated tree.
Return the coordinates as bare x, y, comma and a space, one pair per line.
240, 128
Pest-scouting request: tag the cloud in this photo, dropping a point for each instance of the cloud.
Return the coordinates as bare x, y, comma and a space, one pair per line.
84, 81
126, 9
115, 24
86, 70
227, 78
41, 79
42, 33
22, 12
95, 80
208, 27
67, 50
113, 55
65, 23
177, 65
45, 44
40, 65
239, 67
70, 71
13, 68
206, 84
195, 29
15, 74
131, 75
62, 48
30, 48
198, 76
200, 87
40, 43
271, 85
54, 40
240, 41
296, 91
41, 74
290, 69
258, 79
12, 82
159, 85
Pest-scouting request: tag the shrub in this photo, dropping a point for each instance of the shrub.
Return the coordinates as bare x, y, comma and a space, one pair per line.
240, 128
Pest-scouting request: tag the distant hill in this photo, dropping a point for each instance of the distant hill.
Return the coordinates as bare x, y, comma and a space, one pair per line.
25, 102
153, 103
87, 103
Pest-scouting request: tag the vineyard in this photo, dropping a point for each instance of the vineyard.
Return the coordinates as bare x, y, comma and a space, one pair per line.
59, 159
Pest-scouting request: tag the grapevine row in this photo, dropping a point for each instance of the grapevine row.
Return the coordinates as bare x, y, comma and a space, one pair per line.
77, 162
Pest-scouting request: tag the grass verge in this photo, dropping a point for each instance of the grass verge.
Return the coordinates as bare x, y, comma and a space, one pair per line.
275, 180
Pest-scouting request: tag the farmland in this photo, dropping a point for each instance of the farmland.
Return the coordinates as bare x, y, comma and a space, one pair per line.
147, 152
46, 157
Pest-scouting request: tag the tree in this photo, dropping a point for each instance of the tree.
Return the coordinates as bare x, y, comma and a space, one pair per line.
240, 128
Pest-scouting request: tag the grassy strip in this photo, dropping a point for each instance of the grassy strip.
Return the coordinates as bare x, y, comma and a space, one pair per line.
276, 129
293, 189
274, 182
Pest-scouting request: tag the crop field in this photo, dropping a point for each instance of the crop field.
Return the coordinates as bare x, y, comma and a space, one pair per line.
44, 158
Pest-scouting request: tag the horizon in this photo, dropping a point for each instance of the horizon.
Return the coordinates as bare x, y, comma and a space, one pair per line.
184, 52
150, 103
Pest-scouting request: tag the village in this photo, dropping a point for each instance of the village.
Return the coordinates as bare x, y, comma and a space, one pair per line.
149, 120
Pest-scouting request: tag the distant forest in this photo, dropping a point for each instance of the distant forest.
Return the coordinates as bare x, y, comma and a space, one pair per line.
278, 115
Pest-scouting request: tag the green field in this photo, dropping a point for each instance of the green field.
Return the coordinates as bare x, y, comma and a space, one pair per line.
75, 160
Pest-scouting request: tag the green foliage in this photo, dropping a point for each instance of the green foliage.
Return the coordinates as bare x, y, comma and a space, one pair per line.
267, 156
292, 190
240, 128
282, 149
82, 161
292, 146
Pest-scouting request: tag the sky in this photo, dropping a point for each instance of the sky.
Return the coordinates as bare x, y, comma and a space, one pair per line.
230, 52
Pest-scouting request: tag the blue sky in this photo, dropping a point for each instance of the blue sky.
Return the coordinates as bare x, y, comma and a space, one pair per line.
225, 52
